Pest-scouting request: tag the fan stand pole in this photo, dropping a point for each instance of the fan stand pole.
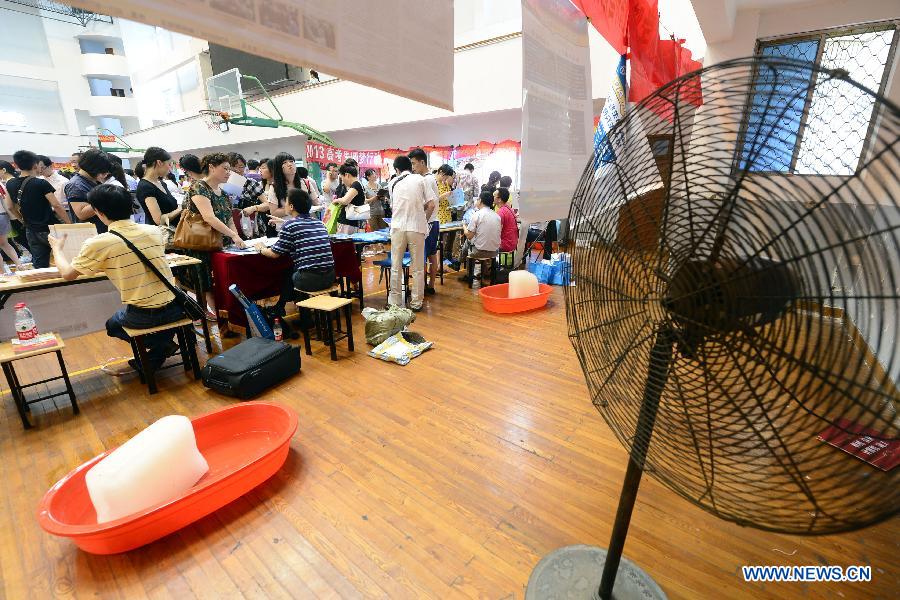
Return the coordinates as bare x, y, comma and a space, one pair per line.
575, 571
660, 361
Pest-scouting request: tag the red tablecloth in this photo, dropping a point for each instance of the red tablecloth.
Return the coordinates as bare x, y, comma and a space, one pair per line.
257, 276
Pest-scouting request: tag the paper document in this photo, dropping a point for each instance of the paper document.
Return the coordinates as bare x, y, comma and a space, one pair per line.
75, 235
250, 245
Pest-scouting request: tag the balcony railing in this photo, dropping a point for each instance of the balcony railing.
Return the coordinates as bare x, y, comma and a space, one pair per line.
66, 13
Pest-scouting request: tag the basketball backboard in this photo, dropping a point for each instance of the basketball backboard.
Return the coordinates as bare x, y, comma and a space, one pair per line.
226, 94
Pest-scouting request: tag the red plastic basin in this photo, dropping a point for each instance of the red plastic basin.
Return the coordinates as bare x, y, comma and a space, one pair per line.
495, 298
243, 444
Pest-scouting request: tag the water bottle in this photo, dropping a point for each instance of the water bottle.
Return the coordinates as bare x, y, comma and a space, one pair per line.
26, 328
276, 329
246, 227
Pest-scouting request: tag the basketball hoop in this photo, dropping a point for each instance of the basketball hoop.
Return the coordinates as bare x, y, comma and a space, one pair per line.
216, 120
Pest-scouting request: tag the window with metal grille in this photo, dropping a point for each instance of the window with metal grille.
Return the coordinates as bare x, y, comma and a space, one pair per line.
822, 127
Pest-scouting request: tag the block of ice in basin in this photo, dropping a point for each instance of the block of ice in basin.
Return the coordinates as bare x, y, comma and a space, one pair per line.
158, 464
522, 284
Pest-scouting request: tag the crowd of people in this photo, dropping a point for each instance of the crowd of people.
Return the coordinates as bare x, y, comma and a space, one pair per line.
194, 213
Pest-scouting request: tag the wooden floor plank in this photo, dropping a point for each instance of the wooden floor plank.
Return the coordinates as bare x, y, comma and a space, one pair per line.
448, 478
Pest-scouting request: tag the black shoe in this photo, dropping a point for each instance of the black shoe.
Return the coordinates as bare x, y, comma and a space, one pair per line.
454, 264
429, 291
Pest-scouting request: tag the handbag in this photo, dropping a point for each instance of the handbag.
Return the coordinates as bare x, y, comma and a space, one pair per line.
358, 213
194, 233
190, 306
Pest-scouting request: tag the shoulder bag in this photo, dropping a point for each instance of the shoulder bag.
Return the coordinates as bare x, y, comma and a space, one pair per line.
193, 232
190, 306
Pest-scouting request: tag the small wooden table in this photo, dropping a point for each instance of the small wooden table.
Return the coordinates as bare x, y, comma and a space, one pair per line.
8, 356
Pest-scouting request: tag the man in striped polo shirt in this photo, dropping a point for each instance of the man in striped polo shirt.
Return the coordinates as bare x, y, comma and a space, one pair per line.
306, 240
148, 301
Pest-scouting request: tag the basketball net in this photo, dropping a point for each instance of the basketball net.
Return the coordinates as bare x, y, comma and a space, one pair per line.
213, 119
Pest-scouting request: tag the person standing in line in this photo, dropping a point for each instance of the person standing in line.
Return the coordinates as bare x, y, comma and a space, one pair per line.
260, 208
54, 178
33, 201
374, 198
509, 229
309, 186
354, 195
190, 164
419, 160
159, 204
94, 168
330, 183
284, 178
469, 184
412, 203
492, 182
7, 172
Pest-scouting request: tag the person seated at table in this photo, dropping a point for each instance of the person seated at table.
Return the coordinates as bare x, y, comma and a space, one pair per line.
148, 301
305, 239
482, 232
509, 229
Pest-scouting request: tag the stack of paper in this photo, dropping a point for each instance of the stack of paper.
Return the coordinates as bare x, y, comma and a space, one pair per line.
38, 274
44, 340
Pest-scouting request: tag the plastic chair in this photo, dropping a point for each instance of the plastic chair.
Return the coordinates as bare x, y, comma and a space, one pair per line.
385, 264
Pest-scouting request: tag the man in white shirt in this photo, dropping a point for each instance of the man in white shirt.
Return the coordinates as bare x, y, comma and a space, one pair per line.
420, 166
482, 232
330, 183
53, 178
412, 203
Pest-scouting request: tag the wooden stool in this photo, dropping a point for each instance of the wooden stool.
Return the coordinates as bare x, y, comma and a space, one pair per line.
8, 356
334, 290
184, 329
485, 263
328, 305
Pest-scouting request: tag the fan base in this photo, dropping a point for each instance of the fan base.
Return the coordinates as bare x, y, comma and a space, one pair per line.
575, 571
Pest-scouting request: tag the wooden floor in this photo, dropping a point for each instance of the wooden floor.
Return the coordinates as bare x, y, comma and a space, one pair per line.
448, 478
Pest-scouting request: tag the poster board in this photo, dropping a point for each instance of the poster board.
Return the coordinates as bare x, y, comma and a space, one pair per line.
557, 109
75, 236
396, 46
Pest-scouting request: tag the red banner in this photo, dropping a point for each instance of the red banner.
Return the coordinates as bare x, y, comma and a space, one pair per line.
320, 153
610, 18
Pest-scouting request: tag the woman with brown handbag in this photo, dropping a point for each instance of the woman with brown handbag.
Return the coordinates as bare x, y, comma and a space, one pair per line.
206, 223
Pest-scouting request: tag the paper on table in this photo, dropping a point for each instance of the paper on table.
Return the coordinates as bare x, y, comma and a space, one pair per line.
250, 245
75, 236
457, 198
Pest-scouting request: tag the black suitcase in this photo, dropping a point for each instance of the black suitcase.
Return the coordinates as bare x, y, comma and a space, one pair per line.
251, 367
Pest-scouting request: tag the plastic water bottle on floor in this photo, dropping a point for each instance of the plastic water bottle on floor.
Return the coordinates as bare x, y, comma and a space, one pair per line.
26, 328
276, 329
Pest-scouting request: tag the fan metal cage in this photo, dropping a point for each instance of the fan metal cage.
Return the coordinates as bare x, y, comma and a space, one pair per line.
779, 293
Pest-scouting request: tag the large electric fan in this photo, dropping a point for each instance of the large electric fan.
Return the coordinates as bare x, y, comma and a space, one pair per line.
736, 305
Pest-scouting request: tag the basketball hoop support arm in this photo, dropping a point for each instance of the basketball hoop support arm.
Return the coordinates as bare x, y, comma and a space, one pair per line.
309, 132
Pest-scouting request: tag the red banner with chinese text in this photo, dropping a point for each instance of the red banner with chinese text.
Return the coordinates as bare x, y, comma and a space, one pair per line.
320, 153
